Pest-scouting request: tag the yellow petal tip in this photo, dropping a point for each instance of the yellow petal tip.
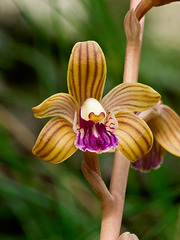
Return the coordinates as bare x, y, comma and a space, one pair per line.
86, 71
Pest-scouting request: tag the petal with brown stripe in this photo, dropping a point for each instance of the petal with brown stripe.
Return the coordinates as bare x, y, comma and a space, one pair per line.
130, 97
166, 129
86, 71
135, 137
55, 142
60, 104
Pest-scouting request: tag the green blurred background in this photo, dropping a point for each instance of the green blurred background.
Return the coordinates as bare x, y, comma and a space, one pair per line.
39, 200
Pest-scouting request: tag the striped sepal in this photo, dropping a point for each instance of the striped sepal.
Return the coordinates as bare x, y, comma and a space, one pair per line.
130, 97
166, 129
135, 137
86, 71
55, 142
60, 104
153, 159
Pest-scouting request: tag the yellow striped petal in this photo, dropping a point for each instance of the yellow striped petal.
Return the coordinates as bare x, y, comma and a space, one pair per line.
60, 104
135, 137
86, 71
166, 129
55, 142
130, 97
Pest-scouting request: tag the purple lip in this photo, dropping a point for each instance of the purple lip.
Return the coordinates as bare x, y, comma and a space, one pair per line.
94, 137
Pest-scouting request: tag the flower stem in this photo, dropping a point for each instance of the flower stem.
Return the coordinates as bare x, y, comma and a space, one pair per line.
112, 211
112, 200
133, 50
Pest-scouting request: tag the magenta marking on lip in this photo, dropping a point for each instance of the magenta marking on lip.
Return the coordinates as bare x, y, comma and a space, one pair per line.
95, 137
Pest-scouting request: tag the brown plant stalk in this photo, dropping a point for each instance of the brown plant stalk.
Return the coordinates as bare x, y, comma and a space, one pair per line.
112, 213
112, 200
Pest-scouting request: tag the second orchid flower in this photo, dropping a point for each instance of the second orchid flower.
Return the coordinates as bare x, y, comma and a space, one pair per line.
165, 126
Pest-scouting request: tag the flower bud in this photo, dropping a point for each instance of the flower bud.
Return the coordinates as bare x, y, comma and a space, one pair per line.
128, 236
157, 3
145, 5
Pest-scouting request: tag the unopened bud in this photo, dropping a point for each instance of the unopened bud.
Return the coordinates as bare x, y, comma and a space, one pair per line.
157, 3
128, 236
145, 5
132, 26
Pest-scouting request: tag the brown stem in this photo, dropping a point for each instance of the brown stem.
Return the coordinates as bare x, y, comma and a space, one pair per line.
132, 57
133, 48
112, 212
112, 201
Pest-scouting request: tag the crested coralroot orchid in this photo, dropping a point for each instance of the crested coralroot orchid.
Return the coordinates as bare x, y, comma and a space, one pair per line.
165, 126
84, 120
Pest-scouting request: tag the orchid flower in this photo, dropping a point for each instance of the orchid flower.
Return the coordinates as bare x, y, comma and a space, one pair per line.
84, 120
165, 126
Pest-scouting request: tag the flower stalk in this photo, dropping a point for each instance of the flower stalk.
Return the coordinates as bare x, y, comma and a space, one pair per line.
112, 213
134, 34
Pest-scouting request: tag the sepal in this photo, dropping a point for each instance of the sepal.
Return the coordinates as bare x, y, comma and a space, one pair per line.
165, 126
55, 142
135, 137
60, 104
86, 71
130, 97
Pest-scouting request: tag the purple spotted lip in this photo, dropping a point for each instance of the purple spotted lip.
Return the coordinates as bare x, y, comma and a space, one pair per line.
95, 137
